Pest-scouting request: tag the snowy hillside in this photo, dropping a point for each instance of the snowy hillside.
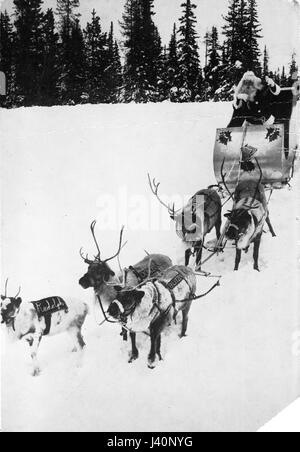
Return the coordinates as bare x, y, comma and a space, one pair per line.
64, 167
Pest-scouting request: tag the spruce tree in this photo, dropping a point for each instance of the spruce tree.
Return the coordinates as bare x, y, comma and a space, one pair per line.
266, 62
96, 60
50, 72
189, 61
113, 71
231, 31
71, 53
142, 52
172, 67
28, 53
253, 34
213, 67
293, 71
6, 60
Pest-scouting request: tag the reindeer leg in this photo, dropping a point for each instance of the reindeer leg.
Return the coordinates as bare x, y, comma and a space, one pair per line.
237, 259
37, 337
188, 254
199, 252
134, 352
185, 319
270, 226
158, 352
155, 332
256, 253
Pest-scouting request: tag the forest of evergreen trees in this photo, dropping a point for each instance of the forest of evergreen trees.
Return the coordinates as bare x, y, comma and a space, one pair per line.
50, 59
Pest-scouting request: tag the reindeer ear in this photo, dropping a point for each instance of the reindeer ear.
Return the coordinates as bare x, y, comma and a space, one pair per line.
18, 302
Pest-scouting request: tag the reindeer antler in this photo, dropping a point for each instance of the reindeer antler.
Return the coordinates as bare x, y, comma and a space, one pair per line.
224, 178
93, 225
154, 186
18, 293
121, 246
6, 284
85, 258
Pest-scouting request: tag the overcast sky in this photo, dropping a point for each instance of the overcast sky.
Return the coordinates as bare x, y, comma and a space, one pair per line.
280, 20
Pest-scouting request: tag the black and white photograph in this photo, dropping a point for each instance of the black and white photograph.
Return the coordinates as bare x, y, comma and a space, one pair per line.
150, 193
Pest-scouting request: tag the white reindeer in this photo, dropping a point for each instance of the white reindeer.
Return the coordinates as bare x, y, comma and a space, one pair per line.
24, 322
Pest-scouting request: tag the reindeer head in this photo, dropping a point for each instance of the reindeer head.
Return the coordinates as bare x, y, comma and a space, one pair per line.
9, 306
99, 272
125, 303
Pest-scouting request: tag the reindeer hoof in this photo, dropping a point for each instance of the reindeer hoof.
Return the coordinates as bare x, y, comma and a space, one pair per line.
160, 357
75, 350
256, 268
151, 366
36, 372
132, 358
182, 335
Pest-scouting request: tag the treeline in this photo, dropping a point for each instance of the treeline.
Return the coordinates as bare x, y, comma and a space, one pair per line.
50, 59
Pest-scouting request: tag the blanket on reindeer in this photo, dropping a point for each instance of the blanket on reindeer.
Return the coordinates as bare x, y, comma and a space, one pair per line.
48, 306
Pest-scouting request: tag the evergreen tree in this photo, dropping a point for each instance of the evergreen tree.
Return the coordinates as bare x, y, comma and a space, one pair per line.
71, 53
293, 71
231, 31
283, 78
252, 52
213, 67
172, 67
6, 54
142, 52
96, 60
66, 10
189, 61
28, 54
50, 73
113, 71
266, 62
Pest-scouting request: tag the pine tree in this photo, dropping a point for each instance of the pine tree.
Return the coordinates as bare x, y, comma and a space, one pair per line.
293, 71
252, 51
71, 53
189, 61
6, 57
66, 10
283, 78
96, 60
28, 54
50, 73
212, 69
113, 71
266, 62
172, 67
231, 31
142, 52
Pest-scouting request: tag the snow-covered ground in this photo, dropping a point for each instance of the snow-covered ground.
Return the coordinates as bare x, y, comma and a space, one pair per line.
63, 167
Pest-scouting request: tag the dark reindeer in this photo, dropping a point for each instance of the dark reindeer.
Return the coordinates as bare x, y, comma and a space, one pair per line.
202, 213
153, 306
247, 218
103, 279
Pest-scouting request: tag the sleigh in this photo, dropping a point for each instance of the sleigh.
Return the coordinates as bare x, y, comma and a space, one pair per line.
241, 152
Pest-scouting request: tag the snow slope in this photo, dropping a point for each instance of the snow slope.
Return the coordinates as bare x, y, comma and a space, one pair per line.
61, 168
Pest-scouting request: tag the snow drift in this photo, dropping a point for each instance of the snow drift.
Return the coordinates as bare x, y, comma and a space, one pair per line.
62, 168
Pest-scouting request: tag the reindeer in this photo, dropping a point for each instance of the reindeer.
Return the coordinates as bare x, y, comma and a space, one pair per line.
50, 316
202, 213
103, 279
152, 306
247, 218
